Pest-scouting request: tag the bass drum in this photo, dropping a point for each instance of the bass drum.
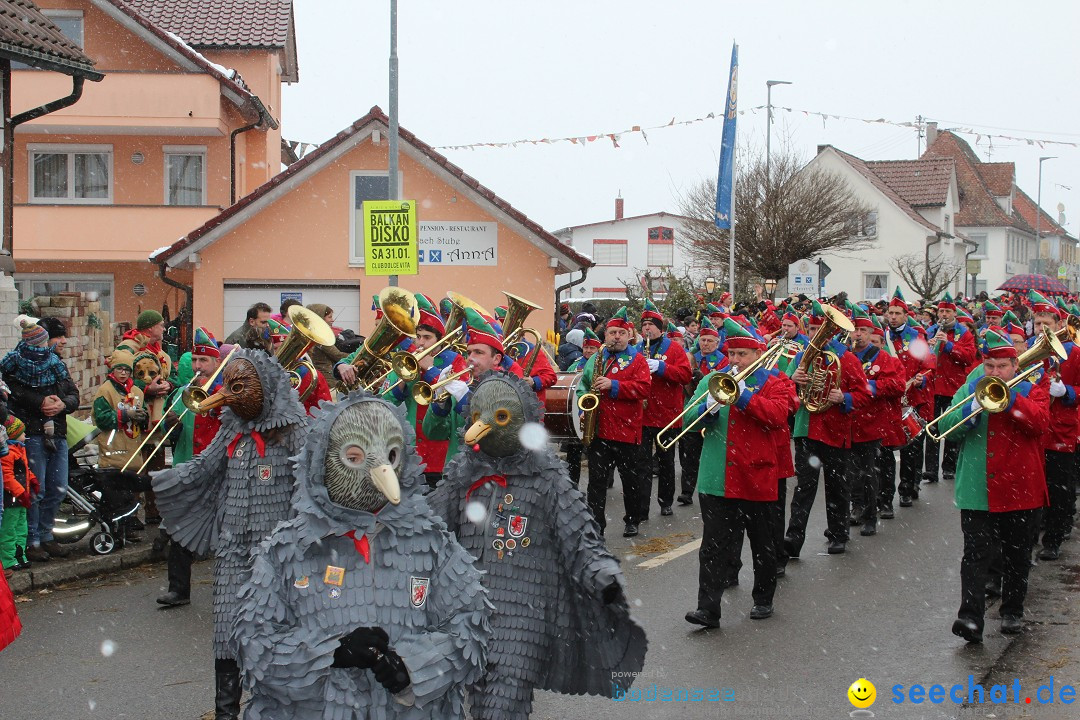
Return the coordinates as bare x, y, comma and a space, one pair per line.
561, 415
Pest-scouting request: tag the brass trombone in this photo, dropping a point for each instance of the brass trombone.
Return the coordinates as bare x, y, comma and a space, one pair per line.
407, 365
992, 394
424, 393
188, 398
723, 389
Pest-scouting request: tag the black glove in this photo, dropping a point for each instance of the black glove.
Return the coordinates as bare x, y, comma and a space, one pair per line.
361, 648
613, 593
391, 672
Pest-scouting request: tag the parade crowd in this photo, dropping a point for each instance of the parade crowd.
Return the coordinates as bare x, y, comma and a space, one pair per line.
414, 474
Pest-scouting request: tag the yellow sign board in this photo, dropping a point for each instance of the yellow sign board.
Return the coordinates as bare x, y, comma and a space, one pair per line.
390, 237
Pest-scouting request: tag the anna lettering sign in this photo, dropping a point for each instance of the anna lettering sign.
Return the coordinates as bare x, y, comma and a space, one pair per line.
459, 242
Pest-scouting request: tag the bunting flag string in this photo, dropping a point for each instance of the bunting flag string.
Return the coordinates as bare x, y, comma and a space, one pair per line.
616, 138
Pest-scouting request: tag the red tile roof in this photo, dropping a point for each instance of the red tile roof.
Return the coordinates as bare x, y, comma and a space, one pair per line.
221, 23
999, 177
375, 115
978, 208
26, 35
877, 181
922, 183
1026, 207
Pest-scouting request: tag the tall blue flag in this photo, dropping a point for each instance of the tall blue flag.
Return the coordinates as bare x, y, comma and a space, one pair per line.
725, 181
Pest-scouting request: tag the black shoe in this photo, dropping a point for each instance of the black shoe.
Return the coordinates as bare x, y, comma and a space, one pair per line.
703, 618
948, 476
643, 520
929, 477
1011, 625
666, 510
21, 563
967, 629
856, 516
36, 554
886, 512
630, 530
173, 599
837, 547
869, 528
760, 612
686, 500
790, 549
905, 501
53, 548
1049, 552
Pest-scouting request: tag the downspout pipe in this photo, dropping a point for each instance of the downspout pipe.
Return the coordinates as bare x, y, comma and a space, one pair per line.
934, 239
232, 157
188, 302
77, 82
567, 286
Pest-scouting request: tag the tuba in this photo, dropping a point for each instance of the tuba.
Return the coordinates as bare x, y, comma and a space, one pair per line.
308, 330
400, 317
514, 332
821, 365
1070, 331
457, 316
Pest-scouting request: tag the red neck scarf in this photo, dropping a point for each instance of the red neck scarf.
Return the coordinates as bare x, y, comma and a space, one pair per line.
499, 480
362, 546
260, 444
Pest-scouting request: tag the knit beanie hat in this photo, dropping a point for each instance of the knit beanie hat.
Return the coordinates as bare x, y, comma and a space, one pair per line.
32, 333
148, 319
14, 427
121, 358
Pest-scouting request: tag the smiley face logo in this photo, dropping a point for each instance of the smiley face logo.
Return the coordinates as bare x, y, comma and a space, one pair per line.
862, 693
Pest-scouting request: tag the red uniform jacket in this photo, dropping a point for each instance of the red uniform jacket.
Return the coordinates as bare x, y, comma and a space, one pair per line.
833, 426
666, 395
920, 397
1015, 473
785, 464
954, 356
1064, 419
543, 375
620, 408
433, 452
879, 418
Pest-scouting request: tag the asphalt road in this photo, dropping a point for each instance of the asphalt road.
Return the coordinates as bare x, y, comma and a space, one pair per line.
883, 611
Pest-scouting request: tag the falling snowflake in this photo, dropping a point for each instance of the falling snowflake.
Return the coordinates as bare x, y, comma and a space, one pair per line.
108, 647
533, 436
475, 512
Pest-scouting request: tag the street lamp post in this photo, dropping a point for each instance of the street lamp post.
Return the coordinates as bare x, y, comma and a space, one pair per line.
1038, 205
710, 285
770, 286
768, 127
392, 164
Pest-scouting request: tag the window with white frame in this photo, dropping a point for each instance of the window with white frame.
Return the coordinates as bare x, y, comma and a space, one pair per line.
661, 247
980, 240
609, 252
185, 175
365, 185
875, 286
32, 285
71, 173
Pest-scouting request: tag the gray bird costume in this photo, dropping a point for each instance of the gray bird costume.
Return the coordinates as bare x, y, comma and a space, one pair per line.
311, 585
228, 498
561, 622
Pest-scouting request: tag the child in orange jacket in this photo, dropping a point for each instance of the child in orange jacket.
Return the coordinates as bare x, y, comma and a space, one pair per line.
20, 487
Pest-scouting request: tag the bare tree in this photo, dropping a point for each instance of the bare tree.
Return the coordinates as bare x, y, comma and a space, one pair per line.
797, 213
928, 279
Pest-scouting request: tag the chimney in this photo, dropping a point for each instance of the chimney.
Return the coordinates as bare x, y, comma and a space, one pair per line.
931, 133
619, 207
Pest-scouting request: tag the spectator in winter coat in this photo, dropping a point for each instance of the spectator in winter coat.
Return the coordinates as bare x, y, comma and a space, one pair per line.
20, 486
42, 395
570, 349
324, 358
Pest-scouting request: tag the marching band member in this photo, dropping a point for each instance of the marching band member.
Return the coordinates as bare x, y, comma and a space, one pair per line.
670, 369
619, 375
590, 345
999, 488
542, 374
992, 315
737, 482
705, 360
825, 436
869, 425
1060, 440
894, 438
429, 330
953, 347
914, 354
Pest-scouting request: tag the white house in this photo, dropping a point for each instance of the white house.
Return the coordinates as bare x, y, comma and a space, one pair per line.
914, 204
624, 248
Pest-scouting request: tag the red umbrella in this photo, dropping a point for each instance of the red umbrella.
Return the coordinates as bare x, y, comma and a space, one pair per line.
1040, 283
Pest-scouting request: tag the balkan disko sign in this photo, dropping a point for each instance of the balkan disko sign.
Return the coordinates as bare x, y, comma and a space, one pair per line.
390, 237
459, 242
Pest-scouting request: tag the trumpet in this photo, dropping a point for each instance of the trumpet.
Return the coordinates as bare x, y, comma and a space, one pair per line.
407, 365
424, 393
993, 394
723, 389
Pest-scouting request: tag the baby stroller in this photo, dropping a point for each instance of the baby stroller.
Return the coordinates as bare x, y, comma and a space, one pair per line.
99, 499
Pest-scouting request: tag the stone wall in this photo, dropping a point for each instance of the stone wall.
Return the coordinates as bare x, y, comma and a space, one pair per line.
9, 310
90, 337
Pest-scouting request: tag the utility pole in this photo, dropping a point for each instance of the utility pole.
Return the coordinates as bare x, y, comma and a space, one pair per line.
918, 139
392, 168
1038, 207
768, 127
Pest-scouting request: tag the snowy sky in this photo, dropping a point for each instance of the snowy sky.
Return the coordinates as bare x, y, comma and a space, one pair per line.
501, 70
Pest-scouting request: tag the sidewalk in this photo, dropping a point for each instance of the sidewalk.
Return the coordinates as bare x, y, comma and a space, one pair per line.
82, 563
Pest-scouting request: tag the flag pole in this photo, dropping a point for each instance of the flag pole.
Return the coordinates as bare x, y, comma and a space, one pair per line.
731, 231
725, 180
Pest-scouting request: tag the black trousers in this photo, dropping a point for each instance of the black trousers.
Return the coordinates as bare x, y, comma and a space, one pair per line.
689, 459
862, 469
911, 464
952, 449
777, 511
1011, 531
812, 457
180, 559
886, 472
1058, 518
573, 460
665, 479
725, 520
604, 457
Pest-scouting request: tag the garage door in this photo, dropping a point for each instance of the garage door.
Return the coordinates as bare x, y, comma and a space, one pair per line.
345, 300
